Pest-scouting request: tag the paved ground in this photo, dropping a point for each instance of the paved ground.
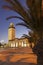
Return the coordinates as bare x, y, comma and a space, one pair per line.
18, 56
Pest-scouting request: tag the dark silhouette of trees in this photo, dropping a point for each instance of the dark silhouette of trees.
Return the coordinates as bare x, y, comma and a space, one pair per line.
0, 44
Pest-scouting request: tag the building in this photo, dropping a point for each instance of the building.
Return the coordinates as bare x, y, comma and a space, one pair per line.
16, 42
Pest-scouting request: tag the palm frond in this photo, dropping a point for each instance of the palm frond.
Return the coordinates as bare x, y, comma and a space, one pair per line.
15, 17
25, 36
10, 2
42, 8
32, 17
19, 9
38, 5
35, 7
7, 7
25, 25
29, 3
22, 24
28, 37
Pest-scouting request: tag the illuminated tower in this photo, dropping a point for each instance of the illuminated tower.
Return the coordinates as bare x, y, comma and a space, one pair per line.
11, 32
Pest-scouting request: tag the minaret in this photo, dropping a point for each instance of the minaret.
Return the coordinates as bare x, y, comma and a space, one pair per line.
11, 32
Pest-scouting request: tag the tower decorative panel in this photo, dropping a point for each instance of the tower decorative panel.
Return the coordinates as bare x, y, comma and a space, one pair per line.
11, 32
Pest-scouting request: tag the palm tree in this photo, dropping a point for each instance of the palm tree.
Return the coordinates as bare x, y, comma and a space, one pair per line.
32, 17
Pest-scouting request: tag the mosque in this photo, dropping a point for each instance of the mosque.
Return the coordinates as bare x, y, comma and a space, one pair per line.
16, 42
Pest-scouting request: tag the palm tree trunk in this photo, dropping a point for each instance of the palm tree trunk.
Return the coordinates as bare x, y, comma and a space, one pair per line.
38, 50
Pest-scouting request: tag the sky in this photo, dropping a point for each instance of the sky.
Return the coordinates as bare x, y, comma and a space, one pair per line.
4, 24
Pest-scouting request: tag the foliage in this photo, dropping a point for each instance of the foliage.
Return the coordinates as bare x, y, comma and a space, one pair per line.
32, 16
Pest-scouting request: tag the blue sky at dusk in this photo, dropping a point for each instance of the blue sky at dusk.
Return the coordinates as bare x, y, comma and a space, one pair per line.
4, 24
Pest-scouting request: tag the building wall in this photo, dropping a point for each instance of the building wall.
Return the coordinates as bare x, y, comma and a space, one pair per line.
19, 43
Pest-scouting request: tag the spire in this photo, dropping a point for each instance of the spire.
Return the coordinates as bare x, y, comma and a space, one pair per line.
11, 25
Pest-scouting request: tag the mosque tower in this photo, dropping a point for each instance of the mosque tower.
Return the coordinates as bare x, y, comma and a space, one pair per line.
11, 32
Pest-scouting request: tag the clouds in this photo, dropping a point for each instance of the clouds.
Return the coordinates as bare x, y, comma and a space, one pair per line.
2, 41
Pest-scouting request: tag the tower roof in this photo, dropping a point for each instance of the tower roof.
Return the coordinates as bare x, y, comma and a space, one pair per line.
11, 25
